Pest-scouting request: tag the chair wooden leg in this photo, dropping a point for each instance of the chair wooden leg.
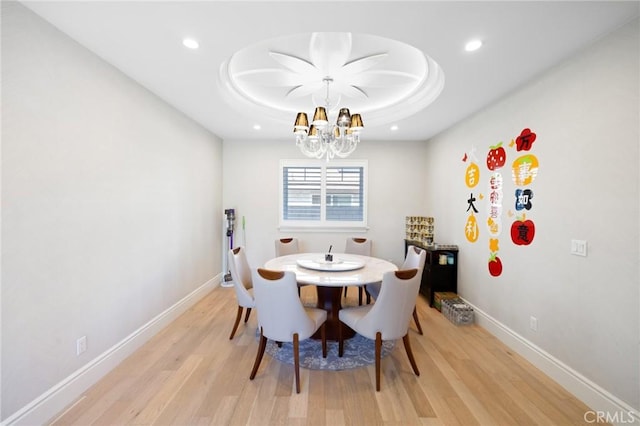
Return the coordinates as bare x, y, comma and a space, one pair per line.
235, 324
378, 354
323, 336
345, 291
246, 317
360, 291
407, 347
340, 341
261, 348
296, 360
417, 320
368, 296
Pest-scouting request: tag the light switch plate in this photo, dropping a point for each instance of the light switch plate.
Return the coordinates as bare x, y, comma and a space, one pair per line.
579, 247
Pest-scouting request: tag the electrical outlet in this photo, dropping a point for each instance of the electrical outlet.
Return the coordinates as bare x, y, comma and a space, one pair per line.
579, 247
81, 345
533, 323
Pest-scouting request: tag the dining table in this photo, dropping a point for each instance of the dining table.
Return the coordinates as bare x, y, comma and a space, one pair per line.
330, 277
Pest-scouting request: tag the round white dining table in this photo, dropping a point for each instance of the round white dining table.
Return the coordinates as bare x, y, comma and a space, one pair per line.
330, 278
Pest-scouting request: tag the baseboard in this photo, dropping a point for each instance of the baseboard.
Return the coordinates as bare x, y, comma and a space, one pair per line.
42, 409
604, 404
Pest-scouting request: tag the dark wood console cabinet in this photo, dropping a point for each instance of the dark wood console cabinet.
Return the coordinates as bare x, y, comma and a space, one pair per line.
437, 277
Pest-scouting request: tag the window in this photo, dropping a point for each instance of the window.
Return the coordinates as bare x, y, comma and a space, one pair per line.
318, 195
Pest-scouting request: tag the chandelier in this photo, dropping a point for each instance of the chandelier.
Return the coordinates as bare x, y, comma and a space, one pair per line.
322, 139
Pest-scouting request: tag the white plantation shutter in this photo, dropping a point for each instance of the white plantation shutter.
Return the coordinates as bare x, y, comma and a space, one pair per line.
344, 186
317, 194
301, 194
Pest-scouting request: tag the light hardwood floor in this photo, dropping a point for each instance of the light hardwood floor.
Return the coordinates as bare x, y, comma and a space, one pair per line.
192, 374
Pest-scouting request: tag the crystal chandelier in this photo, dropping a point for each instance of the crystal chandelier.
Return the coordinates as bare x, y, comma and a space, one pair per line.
328, 140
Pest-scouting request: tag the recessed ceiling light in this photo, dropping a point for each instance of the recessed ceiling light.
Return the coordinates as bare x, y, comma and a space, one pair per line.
473, 45
190, 43
257, 127
394, 127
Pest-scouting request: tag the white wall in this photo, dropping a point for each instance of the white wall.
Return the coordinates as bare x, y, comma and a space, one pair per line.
586, 116
251, 171
111, 205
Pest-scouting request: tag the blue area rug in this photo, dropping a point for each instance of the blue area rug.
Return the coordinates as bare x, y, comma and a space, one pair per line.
358, 352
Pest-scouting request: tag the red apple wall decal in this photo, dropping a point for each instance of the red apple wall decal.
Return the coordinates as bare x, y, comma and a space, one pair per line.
495, 265
522, 231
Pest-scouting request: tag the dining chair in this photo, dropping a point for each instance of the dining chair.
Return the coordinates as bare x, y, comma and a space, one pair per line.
416, 258
282, 317
361, 246
242, 283
388, 318
285, 246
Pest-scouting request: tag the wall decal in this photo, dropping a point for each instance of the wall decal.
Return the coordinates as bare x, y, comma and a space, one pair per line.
470, 202
496, 159
471, 230
496, 156
524, 169
495, 202
495, 228
523, 199
472, 175
471, 180
495, 265
522, 231
525, 141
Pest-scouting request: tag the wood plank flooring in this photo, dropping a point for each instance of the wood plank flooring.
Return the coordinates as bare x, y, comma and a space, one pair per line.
192, 374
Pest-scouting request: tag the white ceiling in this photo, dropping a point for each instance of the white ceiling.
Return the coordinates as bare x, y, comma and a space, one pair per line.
521, 40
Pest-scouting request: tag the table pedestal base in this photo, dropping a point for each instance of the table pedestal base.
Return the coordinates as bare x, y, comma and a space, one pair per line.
330, 299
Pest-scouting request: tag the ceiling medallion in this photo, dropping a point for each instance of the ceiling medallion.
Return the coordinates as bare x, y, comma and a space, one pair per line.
383, 80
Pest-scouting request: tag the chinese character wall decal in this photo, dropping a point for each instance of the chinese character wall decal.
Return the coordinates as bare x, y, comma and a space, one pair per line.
471, 180
524, 142
522, 231
523, 199
524, 169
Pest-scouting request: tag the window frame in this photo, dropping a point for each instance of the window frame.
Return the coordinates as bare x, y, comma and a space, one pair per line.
323, 224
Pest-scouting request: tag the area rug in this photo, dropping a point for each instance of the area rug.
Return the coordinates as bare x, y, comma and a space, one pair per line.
358, 352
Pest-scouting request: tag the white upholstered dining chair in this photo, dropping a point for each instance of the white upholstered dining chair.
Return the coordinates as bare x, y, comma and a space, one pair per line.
388, 318
361, 246
285, 246
242, 283
282, 317
416, 258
